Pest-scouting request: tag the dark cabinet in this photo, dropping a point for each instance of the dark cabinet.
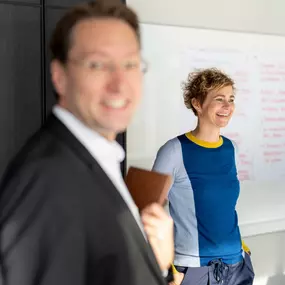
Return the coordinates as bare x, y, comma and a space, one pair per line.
26, 93
65, 3
52, 16
23, 1
20, 77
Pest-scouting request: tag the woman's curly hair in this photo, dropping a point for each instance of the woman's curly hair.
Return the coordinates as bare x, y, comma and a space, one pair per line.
201, 82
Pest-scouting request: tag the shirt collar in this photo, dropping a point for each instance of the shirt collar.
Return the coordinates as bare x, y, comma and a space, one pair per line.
96, 144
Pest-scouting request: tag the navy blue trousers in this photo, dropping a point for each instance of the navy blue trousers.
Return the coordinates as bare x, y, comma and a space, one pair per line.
219, 273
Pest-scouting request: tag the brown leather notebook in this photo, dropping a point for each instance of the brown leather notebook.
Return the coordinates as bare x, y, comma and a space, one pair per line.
147, 187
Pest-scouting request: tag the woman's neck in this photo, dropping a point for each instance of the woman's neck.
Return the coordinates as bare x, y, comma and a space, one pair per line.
206, 133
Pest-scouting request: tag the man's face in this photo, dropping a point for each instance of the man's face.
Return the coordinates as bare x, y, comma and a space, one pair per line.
101, 81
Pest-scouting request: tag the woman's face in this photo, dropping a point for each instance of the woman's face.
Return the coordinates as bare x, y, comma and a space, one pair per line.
217, 108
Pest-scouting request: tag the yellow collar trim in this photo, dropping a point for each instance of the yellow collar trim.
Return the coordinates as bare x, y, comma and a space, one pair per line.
195, 140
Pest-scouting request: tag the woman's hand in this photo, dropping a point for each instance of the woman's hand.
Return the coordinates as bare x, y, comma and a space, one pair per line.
178, 278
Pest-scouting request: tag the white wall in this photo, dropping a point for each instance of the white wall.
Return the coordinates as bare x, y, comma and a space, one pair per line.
268, 257
260, 16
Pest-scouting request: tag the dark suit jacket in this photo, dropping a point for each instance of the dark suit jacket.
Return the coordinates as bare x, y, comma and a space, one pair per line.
63, 222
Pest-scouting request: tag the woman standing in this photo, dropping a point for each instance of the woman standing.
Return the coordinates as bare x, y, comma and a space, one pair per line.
205, 190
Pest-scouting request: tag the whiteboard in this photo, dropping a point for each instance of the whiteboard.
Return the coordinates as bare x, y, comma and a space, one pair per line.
257, 64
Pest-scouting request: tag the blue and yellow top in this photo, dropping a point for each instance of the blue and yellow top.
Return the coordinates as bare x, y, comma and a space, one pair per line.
202, 199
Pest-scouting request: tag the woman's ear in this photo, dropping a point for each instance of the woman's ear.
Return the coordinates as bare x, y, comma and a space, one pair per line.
196, 105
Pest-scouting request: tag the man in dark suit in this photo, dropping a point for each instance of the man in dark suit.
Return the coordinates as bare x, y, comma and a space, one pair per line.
66, 217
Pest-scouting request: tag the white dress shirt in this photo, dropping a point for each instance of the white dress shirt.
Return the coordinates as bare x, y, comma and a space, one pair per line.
109, 154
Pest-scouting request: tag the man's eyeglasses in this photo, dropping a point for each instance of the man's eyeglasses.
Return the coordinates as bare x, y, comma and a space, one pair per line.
105, 66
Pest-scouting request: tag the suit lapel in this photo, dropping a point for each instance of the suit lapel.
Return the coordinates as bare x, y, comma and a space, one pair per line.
62, 133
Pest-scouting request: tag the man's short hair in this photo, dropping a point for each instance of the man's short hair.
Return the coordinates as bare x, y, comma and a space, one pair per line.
114, 9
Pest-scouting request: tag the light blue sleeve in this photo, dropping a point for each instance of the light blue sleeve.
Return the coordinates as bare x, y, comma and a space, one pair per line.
168, 159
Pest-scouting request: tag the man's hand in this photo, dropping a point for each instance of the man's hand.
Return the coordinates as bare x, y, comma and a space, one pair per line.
158, 227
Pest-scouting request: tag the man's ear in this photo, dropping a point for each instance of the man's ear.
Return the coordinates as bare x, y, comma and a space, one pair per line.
58, 77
